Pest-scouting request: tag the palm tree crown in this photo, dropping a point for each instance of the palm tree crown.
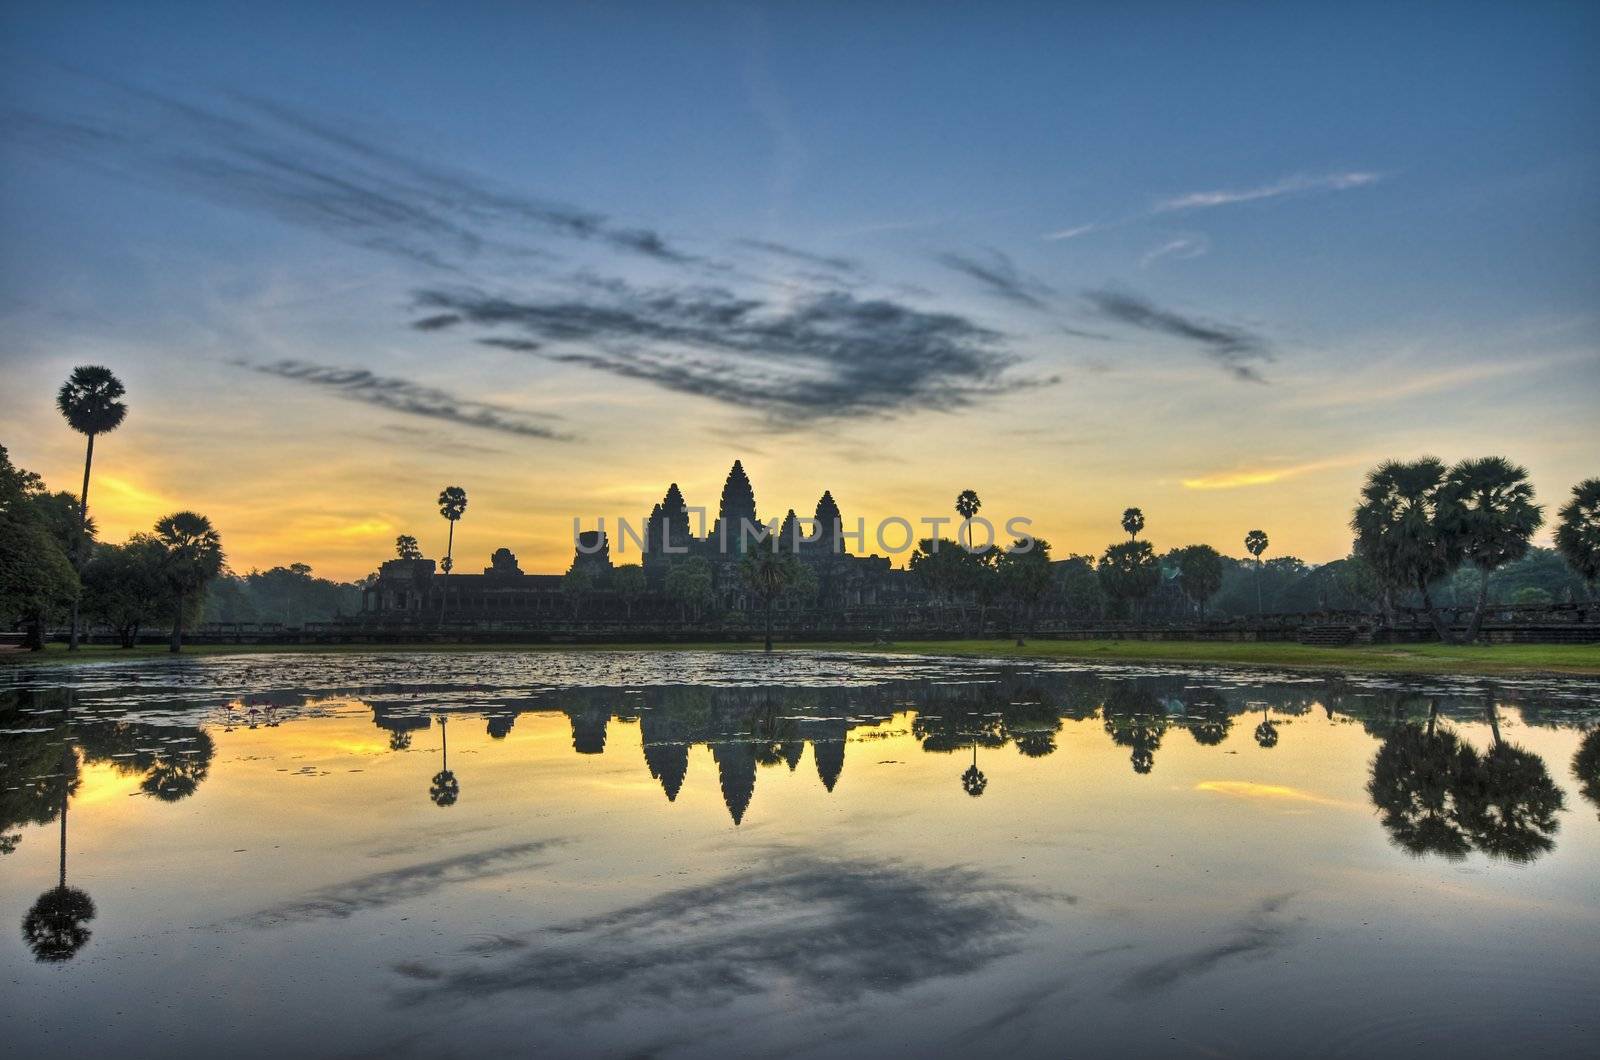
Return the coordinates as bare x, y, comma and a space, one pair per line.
1133, 522
88, 399
1578, 531
193, 547
1490, 508
1255, 543
452, 502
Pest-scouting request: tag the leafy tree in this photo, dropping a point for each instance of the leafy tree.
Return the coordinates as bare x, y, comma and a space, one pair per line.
689, 582
125, 587
1129, 572
1199, 573
967, 506
1024, 574
576, 584
1255, 543
1416, 783
37, 579
1489, 515
90, 401
1511, 802
1578, 532
769, 575
1400, 532
192, 558
405, 547
1078, 585
1132, 522
628, 582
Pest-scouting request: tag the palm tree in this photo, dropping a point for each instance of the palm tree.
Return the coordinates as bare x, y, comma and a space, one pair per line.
444, 789
1400, 532
1578, 532
452, 505
1255, 543
1490, 512
191, 557
405, 547
88, 399
967, 505
1132, 522
769, 575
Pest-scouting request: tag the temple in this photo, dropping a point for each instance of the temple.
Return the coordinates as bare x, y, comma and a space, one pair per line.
416, 589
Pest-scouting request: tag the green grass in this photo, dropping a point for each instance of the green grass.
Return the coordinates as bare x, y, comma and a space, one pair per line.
1388, 658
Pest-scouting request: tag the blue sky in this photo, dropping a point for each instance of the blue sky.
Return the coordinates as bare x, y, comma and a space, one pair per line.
1141, 249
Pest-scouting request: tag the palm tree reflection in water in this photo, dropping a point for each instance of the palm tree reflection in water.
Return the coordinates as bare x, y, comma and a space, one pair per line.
445, 789
973, 782
55, 929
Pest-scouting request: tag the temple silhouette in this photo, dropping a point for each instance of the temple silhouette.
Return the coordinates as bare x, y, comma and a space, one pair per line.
503, 592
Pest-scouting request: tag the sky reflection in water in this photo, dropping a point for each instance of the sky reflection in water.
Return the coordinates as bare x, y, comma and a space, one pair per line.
827, 854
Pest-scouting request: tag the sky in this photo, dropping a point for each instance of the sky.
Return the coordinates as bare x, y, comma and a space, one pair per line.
1212, 260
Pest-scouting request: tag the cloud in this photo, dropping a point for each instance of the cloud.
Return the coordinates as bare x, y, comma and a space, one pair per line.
825, 355
437, 322
1000, 276
1260, 934
826, 930
263, 156
1181, 249
1227, 480
1200, 200
1071, 233
378, 890
1232, 347
837, 264
414, 399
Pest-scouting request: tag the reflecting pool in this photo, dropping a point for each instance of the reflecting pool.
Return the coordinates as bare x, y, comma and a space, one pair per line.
830, 854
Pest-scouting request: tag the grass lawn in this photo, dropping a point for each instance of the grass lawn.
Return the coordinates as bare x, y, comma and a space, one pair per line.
1388, 658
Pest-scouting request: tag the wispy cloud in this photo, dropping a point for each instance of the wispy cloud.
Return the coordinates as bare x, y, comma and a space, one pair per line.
411, 398
1235, 349
1071, 233
1295, 185
1228, 480
999, 275
266, 157
804, 257
1182, 248
826, 355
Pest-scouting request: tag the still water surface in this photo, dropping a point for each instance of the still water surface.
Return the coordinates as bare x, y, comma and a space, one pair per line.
829, 854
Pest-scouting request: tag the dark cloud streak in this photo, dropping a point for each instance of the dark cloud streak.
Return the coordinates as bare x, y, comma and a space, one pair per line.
1234, 348
411, 398
1000, 276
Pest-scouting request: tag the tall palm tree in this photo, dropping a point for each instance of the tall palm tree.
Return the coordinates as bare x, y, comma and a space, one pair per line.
1578, 532
452, 505
1255, 543
1132, 522
89, 401
1400, 532
191, 557
1490, 512
769, 575
967, 506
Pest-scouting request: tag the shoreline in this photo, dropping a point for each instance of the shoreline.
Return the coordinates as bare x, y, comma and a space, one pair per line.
1580, 660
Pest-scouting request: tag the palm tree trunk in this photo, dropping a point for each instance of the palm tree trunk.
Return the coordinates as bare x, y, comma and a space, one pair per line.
1477, 612
1445, 636
1258, 585
83, 523
177, 628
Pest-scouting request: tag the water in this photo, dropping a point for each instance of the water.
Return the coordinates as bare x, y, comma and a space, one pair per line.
831, 854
